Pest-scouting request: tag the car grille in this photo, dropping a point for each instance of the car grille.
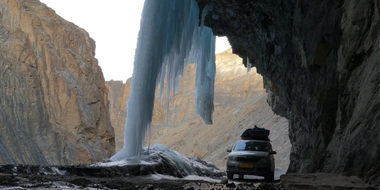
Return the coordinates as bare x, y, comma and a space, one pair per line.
248, 159
247, 169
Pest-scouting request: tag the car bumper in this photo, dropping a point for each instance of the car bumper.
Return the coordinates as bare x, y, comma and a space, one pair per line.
260, 169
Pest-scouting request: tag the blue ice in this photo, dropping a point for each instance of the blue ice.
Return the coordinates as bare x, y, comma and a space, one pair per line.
170, 37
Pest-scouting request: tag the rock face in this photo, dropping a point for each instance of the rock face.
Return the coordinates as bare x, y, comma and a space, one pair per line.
53, 97
240, 103
320, 60
117, 98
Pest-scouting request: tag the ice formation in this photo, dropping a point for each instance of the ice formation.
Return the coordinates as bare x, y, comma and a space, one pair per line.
159, 159
170, 37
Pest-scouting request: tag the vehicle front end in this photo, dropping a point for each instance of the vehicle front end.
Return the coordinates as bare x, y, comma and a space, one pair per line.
251, 157
249, 164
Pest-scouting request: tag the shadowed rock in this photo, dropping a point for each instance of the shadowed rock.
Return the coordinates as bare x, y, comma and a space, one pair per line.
320, 62
323, 181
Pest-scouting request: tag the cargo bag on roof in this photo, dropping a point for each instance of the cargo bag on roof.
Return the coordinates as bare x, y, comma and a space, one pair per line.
256, 133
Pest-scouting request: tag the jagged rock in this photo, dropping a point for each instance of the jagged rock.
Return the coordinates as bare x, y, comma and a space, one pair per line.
323, 181
53, 97
240, 103
231, 185
224, 180
320, 61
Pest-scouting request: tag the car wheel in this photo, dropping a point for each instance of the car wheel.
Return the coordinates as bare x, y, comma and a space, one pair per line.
230, 175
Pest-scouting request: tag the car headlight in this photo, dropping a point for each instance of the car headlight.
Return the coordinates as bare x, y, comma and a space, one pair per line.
232, 158
266, 159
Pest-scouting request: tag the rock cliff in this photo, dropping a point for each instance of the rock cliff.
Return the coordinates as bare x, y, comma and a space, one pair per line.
240, 103
118, 98
320, 60
53, 96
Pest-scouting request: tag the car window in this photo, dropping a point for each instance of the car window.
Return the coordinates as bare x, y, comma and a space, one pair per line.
251, 146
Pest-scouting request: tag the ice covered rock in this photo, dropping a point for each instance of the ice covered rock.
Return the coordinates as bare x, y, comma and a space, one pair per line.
157, 159
160, 159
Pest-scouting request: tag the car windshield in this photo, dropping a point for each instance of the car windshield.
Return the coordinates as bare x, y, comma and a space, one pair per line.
251, 146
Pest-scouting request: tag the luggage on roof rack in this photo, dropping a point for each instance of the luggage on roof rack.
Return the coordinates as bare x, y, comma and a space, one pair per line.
256, 133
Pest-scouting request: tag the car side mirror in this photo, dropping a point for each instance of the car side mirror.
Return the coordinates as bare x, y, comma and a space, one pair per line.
229, 150
273, 152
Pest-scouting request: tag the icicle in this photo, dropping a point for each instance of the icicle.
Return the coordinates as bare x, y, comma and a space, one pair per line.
249, 65
169, 38
149, 135
205, 72
167, 106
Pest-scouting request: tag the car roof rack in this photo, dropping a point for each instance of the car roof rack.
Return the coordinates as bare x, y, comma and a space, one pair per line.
256, 133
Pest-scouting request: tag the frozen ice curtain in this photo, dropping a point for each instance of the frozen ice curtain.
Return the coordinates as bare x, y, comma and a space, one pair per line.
171, 36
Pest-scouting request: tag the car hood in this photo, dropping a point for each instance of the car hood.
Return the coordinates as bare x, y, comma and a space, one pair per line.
249, 153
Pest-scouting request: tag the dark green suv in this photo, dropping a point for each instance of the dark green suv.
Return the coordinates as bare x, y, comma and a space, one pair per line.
251, 157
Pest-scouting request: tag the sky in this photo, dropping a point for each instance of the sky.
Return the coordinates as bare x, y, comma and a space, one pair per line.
114, 26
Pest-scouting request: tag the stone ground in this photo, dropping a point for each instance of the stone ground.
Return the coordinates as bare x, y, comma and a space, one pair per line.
19, 177
22, 181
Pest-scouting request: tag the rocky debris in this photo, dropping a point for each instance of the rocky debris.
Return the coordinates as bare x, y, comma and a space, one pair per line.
323, 181
122, 183
75, 182
224, 180
231, 185
158, 167
128, 177
237, 107
53, 97
320, 62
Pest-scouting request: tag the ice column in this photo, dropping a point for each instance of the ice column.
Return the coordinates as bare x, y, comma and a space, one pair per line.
170, 37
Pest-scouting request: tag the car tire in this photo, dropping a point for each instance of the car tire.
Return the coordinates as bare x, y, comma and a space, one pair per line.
230, 175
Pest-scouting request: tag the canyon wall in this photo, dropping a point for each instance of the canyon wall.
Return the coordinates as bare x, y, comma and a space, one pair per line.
53, 97
240, 103
118, 98
320, 60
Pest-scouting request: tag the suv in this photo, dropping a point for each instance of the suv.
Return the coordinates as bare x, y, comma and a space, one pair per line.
251, 157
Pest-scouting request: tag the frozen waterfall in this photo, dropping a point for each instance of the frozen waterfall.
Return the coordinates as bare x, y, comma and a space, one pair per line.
170, 37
